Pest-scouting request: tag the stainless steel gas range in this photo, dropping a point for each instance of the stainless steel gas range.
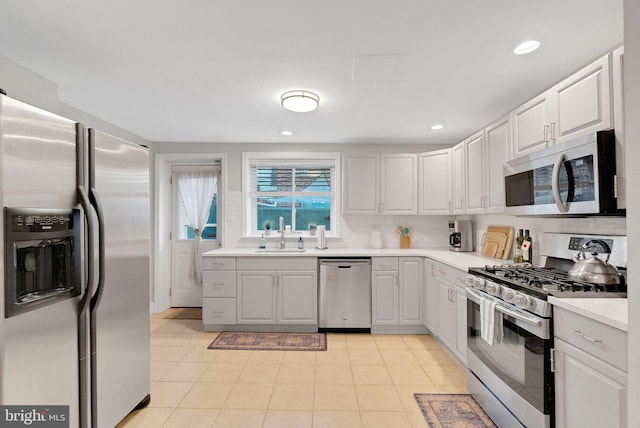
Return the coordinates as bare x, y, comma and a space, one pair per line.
510, 371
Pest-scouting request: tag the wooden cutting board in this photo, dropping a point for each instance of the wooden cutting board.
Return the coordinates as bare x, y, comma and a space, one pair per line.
503, 234
489, 249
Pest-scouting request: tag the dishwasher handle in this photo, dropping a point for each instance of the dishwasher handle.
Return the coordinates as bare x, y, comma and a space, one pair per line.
345, 264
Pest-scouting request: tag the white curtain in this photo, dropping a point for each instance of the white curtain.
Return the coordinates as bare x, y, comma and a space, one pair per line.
196, 190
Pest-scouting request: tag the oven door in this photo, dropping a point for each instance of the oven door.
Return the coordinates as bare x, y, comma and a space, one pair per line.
521, 359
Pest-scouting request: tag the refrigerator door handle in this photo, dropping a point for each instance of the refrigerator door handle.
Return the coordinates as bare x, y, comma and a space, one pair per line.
83, 199
95, 299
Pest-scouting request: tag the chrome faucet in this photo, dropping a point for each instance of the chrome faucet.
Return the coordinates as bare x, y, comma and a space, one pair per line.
281, 230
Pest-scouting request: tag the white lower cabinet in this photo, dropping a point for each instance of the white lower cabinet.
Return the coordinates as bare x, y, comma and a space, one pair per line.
430, 297
397, 292
451, 323
590, 365
277, 297
219, 291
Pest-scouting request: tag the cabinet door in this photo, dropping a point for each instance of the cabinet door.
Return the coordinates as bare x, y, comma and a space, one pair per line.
460, 318
582, 102
256, 300
411, 292
529, 121
497, 147
361, 184
458, 172
445, 314
384, 298
297, 298
474, 156
589, 392
399, 184
617, 77
435, 182
431, 298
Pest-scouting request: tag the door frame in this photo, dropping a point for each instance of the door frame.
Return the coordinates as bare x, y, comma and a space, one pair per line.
163, 214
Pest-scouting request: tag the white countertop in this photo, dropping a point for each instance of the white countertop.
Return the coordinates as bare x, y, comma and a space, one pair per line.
462, 261
613, 311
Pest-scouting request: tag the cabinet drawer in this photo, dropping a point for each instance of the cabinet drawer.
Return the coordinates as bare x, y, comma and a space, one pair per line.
218, 311
384, 263
277, 263
451, 274
595, 338
219, 284
218, 263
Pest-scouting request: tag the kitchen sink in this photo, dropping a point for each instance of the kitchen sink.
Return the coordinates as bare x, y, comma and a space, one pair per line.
280, 250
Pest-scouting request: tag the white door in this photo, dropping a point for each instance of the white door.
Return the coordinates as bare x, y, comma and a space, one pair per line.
435, 182
185, 292
475, 173
399, 184
411, 298
297, 294
384, 297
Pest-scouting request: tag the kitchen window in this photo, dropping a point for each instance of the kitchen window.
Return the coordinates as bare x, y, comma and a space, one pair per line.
301, 189
185, 230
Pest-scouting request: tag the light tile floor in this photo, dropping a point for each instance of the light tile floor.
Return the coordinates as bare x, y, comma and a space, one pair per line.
361, 380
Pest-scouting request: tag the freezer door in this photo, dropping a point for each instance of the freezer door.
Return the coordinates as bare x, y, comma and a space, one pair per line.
121, 378
38, 349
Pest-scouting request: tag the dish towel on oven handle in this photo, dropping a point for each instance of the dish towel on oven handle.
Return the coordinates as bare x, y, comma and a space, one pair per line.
490, 322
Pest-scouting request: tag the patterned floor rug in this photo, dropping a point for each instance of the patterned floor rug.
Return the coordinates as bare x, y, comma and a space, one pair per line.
452, 410
184, 314
270, 341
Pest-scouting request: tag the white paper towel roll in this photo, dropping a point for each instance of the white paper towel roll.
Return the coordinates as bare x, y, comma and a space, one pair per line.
322, 244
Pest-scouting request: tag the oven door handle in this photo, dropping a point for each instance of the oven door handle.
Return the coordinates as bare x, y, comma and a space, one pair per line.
518, 316
505, 310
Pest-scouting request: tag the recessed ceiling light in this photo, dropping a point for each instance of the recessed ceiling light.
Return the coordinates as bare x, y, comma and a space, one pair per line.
526, 47
300, 101
287, 132
437, 126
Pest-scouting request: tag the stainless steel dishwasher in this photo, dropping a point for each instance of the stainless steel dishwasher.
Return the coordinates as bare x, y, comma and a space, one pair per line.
344, 299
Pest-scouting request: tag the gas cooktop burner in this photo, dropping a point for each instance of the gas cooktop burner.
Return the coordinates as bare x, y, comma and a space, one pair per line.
542, 281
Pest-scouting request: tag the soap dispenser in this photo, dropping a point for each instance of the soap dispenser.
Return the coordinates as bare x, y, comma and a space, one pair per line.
300, 244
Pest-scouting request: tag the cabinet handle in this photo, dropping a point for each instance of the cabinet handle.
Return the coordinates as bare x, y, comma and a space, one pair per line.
552, 131
217, 314
442, 272
381, 207
546, 132
449, 204
590, 339
218, 285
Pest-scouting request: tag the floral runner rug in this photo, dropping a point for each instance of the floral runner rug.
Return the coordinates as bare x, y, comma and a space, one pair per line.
270, 341
452, 410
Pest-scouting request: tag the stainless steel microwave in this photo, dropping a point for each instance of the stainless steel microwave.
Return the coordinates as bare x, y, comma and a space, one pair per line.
577, 177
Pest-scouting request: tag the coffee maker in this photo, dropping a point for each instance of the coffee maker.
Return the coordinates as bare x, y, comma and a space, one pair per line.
460, 235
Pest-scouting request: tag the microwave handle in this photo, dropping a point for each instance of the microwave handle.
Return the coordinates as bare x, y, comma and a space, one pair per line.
555, 184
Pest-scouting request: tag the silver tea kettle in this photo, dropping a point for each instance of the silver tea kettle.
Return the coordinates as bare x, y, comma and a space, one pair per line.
593, 269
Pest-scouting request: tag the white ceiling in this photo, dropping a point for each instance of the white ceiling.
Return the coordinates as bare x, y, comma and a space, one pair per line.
213, 70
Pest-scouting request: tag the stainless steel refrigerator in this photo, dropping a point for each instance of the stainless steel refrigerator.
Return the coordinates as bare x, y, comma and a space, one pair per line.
74, 326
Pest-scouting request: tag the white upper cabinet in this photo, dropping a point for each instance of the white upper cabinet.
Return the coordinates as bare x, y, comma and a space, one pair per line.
617, 77
476, 170
497, 148
531, 125
582, 103
459, 176
361, 184
435, 182
380, 184
576, 106
399, 184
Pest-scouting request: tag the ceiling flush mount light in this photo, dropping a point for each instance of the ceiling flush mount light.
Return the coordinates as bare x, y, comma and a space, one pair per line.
300, 101
526, 47
437, 126
287, 133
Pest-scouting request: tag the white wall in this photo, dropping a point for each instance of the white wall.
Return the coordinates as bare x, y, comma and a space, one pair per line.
632, 137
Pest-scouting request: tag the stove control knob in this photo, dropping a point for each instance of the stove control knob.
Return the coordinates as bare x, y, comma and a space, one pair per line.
470, 280
508, 295
523, 301
479, 283
493, 288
